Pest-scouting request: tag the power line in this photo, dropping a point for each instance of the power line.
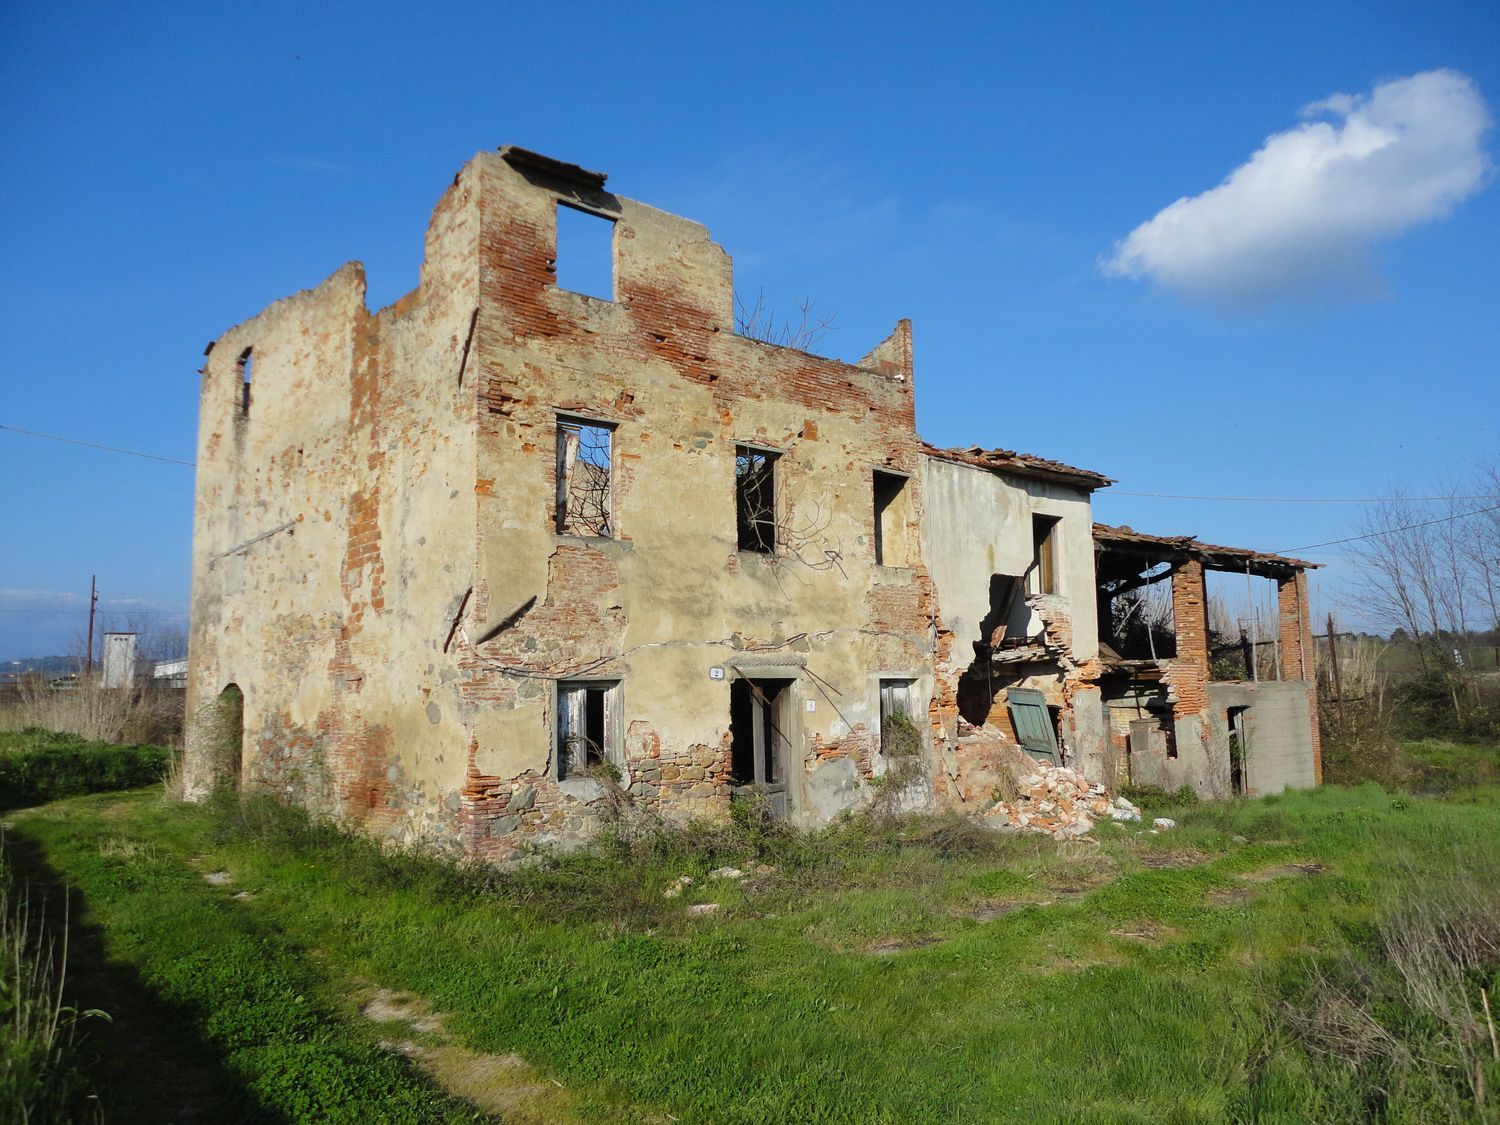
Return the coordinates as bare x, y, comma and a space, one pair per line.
1111, 492
1393, 530
1294, 499
115, 613
96, 445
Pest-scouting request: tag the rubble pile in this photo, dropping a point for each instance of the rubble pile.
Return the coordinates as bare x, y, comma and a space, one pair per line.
1057, 801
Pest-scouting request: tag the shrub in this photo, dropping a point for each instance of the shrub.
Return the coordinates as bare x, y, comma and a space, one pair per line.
1411, 1016
45, 767
1153, 798
150, 713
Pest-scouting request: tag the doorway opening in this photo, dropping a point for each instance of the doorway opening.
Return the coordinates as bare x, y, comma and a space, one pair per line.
227, 736
760, 713
1239, 744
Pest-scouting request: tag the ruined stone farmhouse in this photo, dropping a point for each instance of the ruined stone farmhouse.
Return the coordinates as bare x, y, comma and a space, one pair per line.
471, 570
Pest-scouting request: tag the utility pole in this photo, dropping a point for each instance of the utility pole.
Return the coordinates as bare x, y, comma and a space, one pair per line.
1333, 666
88, 660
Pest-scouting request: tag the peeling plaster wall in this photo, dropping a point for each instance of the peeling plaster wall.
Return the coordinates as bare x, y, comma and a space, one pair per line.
670, 595
978, 523
359, 436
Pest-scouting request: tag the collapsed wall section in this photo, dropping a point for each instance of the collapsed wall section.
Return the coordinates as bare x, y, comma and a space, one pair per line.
1178, 712
1011, 557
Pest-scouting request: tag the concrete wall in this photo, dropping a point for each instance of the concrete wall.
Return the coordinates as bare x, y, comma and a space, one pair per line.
1280, 752
1280, 733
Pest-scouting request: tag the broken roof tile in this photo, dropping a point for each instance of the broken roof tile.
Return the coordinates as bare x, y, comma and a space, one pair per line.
1190, 544
1023, 464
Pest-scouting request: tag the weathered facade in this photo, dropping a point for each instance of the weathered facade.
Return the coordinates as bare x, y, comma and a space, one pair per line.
473, 569
455, 553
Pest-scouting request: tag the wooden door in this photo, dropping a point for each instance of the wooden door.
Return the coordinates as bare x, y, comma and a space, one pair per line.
768, 719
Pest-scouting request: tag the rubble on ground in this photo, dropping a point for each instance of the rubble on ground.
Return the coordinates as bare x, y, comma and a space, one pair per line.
1057, 801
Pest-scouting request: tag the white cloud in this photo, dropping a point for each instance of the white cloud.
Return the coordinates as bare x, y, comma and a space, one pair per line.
1301, 216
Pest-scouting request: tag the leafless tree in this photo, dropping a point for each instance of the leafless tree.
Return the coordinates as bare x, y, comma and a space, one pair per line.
1431, 569
774, 520
1427, 567
760, 322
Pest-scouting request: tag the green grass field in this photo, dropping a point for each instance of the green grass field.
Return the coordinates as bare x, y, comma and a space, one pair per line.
916, 970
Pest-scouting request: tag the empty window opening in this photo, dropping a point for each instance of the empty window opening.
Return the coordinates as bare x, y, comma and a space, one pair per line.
585, 253
759, 713
244, 365
899, 737
1042, 577
1237, 719
1152, 735
587, 724
585, 458
755, 498
1135, 607
892, 511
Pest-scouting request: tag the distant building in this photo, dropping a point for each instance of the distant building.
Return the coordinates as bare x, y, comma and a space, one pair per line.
170, 673
119, 660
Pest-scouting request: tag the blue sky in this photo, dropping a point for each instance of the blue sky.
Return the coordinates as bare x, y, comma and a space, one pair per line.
168, 170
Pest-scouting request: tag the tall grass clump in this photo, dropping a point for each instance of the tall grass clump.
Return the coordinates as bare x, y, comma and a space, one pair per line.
1410, 1014
40, 1080
85, 707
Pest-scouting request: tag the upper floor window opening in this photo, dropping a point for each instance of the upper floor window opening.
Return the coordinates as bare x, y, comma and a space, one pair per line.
755, 498
244, 365
1042, 577
585, 253
585, 478
892, 513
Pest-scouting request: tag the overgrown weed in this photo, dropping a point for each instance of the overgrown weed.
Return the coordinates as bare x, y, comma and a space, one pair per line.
40, 1076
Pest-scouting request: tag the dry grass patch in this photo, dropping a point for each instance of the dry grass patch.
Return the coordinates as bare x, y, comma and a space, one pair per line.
1077, 873
887, 946
1160, 858
1148, 932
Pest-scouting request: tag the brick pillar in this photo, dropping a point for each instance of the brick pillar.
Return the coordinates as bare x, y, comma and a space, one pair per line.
1299, 659
1189, 673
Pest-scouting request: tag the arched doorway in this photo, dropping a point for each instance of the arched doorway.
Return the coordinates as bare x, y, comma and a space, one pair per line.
229, 735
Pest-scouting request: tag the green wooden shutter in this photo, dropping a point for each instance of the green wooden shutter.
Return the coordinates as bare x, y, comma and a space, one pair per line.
1033, 723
